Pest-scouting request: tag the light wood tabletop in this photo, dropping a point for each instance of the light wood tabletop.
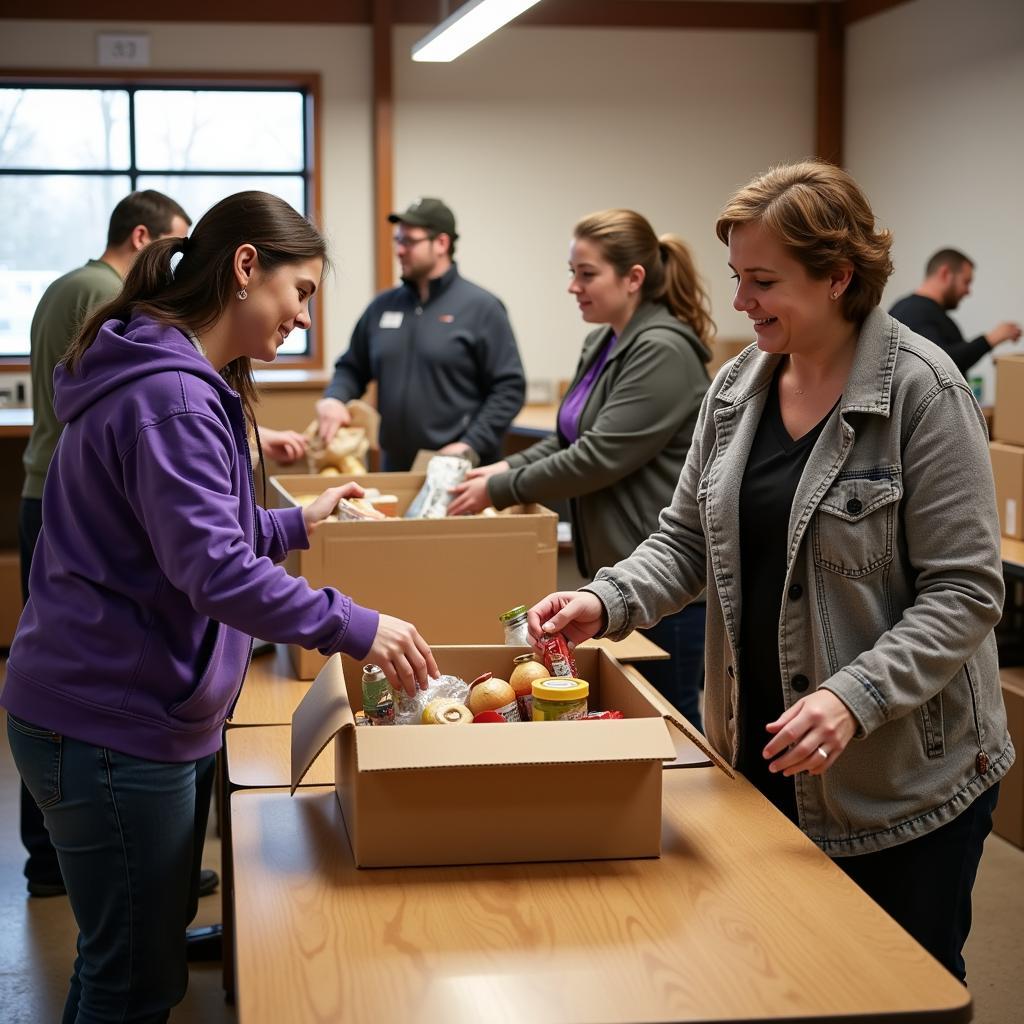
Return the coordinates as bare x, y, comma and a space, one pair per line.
261, 756
1013, 553
271, 692
741, 919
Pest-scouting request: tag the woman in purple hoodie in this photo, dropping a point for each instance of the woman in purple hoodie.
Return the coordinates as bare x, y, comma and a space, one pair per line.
154, 569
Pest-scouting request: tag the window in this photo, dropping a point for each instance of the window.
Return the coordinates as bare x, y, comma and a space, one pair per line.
68, 153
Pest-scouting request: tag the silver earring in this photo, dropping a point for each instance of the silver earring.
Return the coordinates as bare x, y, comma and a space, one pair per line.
243, 294
835, 295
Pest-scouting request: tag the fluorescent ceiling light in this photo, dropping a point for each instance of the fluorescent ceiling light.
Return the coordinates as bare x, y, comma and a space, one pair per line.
472, 22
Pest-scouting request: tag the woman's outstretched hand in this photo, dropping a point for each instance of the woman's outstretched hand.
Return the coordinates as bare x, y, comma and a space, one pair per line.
317, 511
403, 655
578, 614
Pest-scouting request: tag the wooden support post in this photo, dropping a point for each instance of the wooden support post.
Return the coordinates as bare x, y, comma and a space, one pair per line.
831, 54
383, 142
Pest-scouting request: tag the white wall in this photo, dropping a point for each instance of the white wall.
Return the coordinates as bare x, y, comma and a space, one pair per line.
935, 134
534, 128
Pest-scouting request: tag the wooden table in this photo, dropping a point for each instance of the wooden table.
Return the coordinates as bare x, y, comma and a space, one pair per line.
271, 692
742, 919
1013, 556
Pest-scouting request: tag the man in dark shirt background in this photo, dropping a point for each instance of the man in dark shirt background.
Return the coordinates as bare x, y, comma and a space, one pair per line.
947, 281
441, 349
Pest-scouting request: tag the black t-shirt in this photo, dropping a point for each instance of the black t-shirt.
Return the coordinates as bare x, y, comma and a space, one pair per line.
770, 479
926, 317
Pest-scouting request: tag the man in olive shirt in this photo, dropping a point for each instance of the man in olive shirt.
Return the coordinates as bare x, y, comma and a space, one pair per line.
137, 220
948, 278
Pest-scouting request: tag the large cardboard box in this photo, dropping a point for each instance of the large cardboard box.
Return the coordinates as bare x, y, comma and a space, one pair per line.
1008, 819
1008, 471
1009, 416
451, 578
483, 794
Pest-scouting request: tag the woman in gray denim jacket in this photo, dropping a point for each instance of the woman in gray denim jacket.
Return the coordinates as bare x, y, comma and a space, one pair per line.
837, 502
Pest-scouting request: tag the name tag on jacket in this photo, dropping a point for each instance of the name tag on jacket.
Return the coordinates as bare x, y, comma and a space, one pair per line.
391, 318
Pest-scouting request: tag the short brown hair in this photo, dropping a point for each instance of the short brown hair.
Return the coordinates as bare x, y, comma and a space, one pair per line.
821, 215
148, 207
952, 258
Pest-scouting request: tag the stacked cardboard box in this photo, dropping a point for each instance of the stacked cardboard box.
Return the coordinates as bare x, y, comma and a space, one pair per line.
502, 793
1007, 448
1008, 819
451, 577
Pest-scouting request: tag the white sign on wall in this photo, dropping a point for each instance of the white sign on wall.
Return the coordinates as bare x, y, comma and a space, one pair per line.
121, 50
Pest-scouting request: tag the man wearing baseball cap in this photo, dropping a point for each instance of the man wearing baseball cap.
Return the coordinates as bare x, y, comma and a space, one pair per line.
441, 349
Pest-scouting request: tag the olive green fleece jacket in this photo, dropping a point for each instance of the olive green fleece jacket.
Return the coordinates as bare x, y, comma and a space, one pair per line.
634, 433
60, 313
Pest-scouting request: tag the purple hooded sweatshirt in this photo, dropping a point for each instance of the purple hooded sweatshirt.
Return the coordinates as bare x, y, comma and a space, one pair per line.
155, 566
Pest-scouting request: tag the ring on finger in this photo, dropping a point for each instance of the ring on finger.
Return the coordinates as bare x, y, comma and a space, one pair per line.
823, 752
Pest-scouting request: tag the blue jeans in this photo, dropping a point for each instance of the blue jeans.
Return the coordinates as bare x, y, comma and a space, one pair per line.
679, 680
129, 838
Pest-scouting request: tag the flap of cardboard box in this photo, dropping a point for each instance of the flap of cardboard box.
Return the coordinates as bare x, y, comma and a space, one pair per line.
673, 717
322, 712
642, 739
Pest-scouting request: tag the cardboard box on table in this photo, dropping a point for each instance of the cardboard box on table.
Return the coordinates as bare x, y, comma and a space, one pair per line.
483, 794
451, 577
1008, 817
1009, 416
1008, 471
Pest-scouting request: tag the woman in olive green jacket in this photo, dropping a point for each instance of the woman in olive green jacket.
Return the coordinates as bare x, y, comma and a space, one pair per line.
625, 425
838, 504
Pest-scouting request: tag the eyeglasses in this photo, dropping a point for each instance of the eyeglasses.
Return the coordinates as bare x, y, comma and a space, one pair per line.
405, 242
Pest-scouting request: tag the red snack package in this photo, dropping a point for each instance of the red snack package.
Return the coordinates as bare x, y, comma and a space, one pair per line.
558, 656
604, 715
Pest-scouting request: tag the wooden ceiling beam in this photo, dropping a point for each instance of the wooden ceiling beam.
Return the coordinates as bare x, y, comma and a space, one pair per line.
560, 13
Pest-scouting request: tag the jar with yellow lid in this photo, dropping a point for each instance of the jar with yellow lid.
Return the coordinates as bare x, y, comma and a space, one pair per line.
560, 700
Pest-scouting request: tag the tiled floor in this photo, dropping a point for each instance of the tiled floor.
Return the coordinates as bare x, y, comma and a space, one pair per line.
37, 938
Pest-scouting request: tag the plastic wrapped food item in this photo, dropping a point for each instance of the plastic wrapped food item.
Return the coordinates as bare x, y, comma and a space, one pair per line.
443, 473
409, 710
357, 509
345, 452
603, 715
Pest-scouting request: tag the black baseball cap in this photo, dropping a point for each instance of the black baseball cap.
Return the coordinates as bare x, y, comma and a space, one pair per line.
428, 213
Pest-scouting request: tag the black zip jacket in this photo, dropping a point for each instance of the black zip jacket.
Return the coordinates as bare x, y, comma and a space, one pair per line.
447, 369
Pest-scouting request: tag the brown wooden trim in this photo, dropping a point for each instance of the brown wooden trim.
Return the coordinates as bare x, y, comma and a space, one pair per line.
680, 14
15, 364
562, 13
310, 81
383, 143
857, 10
337, 12
831, 53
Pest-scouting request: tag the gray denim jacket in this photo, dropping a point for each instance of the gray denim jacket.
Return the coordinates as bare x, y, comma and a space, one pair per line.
894, 584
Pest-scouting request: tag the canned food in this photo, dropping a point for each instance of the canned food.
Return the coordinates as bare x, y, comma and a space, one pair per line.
378, 700
559, 700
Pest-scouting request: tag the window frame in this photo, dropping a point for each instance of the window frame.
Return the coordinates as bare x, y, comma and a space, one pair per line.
306, 82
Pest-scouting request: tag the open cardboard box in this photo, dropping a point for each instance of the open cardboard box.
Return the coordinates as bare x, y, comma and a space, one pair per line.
451, 578
483, 794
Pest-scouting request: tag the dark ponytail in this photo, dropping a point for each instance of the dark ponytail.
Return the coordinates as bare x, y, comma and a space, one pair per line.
196, 293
